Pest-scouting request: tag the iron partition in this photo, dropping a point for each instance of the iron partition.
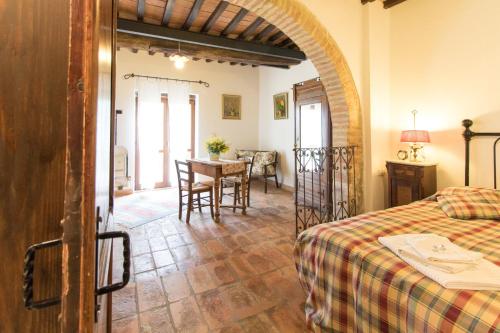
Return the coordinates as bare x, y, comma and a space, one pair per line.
325, 185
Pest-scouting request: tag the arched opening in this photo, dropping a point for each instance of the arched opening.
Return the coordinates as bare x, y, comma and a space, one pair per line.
293, 18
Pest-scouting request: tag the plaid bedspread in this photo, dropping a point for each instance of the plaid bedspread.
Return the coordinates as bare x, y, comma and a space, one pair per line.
354, 284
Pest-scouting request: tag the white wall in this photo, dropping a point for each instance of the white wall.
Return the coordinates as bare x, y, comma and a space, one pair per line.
279, 134
223, 79
445, 62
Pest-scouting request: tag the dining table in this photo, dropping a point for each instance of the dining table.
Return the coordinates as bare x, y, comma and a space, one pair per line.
217, 170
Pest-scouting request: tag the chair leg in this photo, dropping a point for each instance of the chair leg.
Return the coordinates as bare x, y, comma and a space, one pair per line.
212, 203
180, 205
238, 192
199, 203
265, 184
221, 191
235, 196
248, 194
276, 179
190, 207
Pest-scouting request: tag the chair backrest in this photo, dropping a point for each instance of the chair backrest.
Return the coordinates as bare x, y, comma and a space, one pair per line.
248, 166
185, 174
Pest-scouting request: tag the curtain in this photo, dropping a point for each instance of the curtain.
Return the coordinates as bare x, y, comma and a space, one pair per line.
150, 132
179, 111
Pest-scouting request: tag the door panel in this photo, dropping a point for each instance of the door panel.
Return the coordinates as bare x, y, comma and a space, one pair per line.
89, 166
313, 130
34, 56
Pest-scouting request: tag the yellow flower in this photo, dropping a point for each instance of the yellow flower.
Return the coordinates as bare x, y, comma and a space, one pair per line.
216, 145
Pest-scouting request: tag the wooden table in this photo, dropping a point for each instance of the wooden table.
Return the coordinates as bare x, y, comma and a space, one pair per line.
217, 170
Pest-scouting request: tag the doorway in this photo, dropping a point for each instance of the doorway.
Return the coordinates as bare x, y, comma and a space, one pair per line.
313, 137
155, 144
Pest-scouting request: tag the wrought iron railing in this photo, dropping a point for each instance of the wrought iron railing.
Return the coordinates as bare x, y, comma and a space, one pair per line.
325, 185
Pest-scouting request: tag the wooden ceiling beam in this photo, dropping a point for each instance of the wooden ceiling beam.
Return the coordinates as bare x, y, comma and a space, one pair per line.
286, 43
276, 36
266, 31
193, 14
140, 9
251, 28
221, 7
167, 14
198, 51
234, 22
387, 3
392, 3
159, 32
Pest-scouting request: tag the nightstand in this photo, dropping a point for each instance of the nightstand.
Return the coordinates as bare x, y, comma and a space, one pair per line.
410, 181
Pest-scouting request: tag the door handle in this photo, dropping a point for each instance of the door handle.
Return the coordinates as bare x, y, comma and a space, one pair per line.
29, 267
126, 261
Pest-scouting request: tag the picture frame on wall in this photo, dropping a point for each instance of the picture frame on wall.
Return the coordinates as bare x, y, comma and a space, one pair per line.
231, 107
280, 102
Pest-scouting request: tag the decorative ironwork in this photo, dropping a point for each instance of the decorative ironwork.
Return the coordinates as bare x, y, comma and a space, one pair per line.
468, 135
325, 185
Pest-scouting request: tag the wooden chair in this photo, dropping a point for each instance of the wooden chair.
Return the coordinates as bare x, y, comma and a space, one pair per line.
235, 183
187, 188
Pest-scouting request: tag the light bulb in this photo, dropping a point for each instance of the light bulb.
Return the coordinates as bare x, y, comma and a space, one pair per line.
179, 63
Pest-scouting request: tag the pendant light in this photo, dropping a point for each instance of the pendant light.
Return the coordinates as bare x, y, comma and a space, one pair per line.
179, 59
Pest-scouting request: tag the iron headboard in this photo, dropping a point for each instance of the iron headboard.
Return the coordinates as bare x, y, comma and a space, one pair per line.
468, 135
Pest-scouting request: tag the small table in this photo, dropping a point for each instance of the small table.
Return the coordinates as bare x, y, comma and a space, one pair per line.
410, 181
217, 170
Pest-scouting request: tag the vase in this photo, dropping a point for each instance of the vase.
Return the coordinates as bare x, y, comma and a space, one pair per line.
214, 156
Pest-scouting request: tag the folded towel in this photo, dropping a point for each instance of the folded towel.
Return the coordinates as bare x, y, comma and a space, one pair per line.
484, 275
437, 248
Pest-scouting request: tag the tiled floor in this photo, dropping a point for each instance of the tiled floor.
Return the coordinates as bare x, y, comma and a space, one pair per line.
236, 276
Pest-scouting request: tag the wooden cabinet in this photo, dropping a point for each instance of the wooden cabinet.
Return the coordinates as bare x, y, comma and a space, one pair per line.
409, 182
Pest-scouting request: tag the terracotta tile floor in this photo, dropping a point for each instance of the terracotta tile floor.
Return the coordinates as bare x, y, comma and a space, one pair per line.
236, 276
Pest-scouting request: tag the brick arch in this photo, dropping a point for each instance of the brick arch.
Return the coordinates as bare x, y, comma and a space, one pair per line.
296, 20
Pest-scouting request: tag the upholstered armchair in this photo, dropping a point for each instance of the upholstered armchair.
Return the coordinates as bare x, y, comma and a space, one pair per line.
265, 164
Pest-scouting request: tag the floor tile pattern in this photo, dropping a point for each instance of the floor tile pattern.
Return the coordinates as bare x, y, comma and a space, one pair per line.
235, 276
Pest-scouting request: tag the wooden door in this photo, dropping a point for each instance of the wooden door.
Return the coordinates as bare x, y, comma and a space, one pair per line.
56, 68
89, 165
313, 129
33, 124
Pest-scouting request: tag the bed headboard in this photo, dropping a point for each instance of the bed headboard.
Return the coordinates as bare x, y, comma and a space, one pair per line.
468, 135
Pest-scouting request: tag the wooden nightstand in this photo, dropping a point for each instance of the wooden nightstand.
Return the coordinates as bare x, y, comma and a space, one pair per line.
410, 181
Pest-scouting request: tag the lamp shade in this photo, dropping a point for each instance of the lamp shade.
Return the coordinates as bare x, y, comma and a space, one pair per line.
415, 136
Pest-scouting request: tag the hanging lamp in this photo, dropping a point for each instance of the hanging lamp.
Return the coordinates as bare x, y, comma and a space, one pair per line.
179, 59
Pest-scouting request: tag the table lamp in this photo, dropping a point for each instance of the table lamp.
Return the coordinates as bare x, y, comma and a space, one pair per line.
416, 138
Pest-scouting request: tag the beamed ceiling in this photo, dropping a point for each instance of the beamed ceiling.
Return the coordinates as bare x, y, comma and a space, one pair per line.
210, 30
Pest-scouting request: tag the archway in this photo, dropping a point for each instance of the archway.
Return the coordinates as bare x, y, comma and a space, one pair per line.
294, 19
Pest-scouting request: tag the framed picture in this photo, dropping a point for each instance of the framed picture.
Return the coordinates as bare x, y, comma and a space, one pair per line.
280, 106
231, 107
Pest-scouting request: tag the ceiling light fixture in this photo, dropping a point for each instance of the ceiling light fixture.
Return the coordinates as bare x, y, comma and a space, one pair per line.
179, 59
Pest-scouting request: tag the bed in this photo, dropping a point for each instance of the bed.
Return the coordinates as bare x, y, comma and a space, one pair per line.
354, 284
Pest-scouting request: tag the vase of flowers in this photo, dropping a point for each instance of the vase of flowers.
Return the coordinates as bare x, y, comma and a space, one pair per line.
215, 147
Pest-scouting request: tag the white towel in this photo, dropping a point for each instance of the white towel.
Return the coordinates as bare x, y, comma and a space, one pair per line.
438, 248
482, 276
